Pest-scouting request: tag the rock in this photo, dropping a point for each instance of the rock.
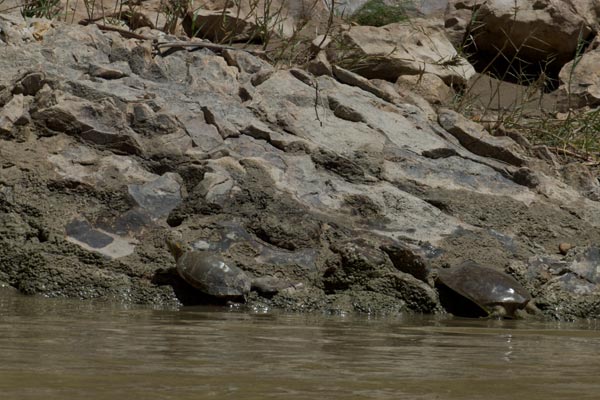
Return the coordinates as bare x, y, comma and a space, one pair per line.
78, 164
412, 9
526, 177
216, 117
580, 82
362, 267
565, 287
269, 285
586, 264
320, 43
457, 23
15, 32
581, 178
159, 197
320, 65
13, 113
406, 96
407, 260
431, 87
473, 137
247, 21
113, 71
205, 137
350, 78
532, 31
101, 124
82, 233
418, 295
29, 84
564, 248
218, 182
368, 302
246, 62
404, 49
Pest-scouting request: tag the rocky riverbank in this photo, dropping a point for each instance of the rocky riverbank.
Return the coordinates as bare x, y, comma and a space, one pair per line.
351, 187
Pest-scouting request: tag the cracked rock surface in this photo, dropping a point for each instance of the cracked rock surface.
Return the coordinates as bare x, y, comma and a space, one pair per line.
353, 196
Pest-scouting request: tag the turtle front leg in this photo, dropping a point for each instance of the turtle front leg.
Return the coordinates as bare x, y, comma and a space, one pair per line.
498, 312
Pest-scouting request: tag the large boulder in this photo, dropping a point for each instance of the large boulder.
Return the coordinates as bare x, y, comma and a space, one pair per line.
223, 21
399, 49
580, 82
536, 31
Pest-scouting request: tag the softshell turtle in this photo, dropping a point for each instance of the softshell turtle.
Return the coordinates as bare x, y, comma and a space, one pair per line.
209, 273
496, 293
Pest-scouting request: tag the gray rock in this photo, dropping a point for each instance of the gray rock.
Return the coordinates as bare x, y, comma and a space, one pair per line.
474, 138
100, 124
158, 197
246, 62
112, 71
91, 238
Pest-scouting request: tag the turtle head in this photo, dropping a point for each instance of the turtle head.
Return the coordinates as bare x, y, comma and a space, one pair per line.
176, 247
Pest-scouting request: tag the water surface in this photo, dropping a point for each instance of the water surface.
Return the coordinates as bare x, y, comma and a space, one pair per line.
59, 349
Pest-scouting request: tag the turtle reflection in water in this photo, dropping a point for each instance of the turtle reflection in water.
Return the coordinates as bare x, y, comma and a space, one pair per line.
470, 290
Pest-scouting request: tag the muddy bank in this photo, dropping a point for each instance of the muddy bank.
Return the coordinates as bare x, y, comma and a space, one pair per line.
107, 147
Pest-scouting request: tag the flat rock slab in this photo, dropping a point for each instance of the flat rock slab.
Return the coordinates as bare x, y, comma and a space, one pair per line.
403, 48
158, 197
474, 138
93, 239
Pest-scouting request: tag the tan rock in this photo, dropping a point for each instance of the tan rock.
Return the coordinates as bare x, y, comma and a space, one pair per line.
244, 20
352, 79
403, 49
581, 178
580, 82
563, 248
457, 24
430, 86
218, 26
320, 65
534, 29
10, 113
400, 96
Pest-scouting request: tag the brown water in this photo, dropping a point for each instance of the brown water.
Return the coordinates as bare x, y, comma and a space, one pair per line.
57, 349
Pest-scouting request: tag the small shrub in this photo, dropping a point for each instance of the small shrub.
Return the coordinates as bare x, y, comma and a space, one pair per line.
577, 131
41, 9
378, 13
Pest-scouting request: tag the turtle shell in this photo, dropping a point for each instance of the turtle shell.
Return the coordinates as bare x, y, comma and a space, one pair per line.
208, 273
486, 287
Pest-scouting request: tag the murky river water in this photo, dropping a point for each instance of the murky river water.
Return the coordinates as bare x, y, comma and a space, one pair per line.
58, 349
